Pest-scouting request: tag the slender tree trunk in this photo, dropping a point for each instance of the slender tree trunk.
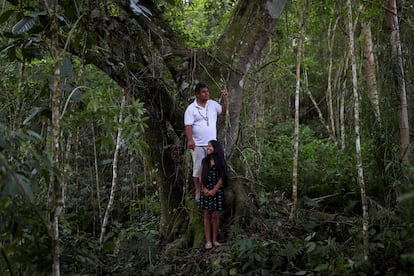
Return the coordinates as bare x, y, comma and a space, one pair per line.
96, 166
392, 21
342, 87
257, 111
114, 174
55, 199
359, 164
65, 177
342, 113
297, 107
329, 97
20, 96
370, 69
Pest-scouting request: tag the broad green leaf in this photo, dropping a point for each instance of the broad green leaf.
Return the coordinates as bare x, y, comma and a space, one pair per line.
66, 69
13, 189
24, 25
311, 246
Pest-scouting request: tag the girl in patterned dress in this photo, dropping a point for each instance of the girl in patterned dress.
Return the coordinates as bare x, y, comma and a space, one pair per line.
213, 177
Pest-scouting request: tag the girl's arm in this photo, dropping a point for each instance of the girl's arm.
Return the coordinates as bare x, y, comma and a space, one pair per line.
200, 178
219, 183
217, 187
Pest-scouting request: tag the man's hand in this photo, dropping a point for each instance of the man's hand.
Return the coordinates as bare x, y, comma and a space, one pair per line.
191, 144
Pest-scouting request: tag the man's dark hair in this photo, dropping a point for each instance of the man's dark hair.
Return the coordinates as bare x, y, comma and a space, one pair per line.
198, 87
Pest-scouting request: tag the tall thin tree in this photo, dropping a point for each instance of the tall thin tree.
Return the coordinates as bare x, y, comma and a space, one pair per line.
402, 108
359, 165
329, 97
297, 107
56, 193
114, 173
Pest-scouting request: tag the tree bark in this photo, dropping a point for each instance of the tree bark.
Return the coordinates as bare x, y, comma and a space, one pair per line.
249, 30
56, 193
329, 98
297, 109
359, 165
96, 171
114, 173
370, 77
402, 110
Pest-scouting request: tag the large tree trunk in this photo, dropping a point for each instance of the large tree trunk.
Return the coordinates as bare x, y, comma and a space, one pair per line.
250, 28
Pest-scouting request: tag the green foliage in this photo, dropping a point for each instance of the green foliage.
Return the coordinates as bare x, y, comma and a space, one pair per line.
130, 246
103, 107
29, 165
322, 166
22, 171
254, 255
318, 253
199, 22
392, 247
24, 149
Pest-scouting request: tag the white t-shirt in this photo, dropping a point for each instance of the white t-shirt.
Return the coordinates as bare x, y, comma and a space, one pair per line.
203, 121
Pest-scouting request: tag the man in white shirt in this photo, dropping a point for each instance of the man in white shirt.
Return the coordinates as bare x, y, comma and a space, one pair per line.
200, 120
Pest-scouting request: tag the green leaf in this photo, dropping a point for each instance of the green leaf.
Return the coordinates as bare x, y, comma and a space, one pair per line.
24, 25
311, 246
66, 69
321, 267
380, 245
12, 189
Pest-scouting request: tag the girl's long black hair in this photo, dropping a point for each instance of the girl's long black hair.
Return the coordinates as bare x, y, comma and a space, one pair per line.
219, 160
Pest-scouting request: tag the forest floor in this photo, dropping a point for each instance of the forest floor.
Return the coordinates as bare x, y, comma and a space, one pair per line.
238, 247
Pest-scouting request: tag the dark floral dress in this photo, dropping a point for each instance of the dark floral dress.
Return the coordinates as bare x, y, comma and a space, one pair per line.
217, 201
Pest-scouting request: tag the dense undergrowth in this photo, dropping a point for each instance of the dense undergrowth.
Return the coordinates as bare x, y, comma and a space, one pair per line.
324, 239
315, 244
